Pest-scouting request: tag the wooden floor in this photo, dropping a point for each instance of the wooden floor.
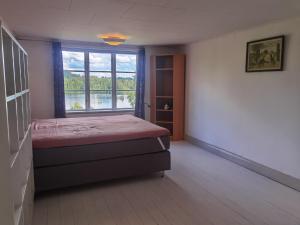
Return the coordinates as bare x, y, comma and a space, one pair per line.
201, 189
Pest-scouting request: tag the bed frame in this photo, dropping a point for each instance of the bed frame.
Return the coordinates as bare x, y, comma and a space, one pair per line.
70, 166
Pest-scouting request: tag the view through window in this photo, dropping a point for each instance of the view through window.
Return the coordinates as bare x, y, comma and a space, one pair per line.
99, 81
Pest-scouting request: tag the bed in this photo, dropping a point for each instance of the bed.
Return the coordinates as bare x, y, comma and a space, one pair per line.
75, 151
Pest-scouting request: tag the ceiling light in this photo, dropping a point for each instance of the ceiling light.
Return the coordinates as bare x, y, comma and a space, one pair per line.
114, 39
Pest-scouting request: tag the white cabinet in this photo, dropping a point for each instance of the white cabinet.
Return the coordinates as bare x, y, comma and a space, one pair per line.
16, 175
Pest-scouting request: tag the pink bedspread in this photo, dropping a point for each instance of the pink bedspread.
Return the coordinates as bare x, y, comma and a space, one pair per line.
50, 133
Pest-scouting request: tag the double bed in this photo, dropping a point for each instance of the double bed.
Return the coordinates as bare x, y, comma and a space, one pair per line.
75, 151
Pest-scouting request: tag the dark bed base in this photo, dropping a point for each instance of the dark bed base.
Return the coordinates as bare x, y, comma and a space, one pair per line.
48, 178
70, 166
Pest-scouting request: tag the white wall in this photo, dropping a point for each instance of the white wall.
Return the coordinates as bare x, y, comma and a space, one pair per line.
40, 78
255, 115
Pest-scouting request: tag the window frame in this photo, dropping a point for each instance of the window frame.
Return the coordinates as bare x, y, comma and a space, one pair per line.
113, 71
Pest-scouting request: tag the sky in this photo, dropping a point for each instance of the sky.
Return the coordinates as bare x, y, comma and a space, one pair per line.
99, 61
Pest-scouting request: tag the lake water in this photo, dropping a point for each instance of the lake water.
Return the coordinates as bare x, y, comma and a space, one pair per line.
98, 101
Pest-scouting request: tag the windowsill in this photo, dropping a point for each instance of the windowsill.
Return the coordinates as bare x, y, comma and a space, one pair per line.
100, 111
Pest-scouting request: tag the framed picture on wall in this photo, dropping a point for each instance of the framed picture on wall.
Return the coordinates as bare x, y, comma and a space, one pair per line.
265, 54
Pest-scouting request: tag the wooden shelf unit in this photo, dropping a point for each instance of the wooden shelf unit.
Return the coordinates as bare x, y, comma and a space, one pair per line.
167, 87
15, 133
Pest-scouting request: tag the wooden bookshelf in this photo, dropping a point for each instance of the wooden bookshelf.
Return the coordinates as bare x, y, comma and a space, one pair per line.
167, 88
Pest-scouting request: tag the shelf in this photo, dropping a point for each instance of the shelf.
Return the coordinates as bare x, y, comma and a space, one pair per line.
164, 116
164, 69
14, 71
22, 67
28, 109
164, 110
14, 96
169, 122
20, 118
10, 98
164, 96
167, 92
26, 71
164, 61
15, 155
16, 53
164, 82
8, 64
161, 102
25, 111
12, 126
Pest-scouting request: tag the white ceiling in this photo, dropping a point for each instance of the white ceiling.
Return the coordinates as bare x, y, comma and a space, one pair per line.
147, 22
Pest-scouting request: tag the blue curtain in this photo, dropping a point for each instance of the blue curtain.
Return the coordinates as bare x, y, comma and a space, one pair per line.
59, 94
140, 85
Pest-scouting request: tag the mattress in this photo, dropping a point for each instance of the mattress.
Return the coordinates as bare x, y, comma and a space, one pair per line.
54, 133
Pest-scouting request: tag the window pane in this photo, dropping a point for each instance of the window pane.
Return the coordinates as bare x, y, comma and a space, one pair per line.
101, 99
74, 83
126, 81
125, 99
125, 63
100, 81
100, 62
73, 60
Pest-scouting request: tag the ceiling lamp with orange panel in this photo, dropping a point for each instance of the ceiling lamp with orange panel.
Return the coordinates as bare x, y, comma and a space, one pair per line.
113, 39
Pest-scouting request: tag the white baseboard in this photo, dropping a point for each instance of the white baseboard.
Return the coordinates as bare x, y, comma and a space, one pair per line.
273, 174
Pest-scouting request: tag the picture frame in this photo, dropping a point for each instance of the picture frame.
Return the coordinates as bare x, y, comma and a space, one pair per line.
265, 54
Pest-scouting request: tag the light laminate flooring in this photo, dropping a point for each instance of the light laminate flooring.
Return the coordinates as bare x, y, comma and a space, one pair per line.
201, 189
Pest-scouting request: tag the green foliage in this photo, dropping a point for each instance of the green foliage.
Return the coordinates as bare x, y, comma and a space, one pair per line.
77, 82
73, 81
131, 98
125, 84
103, 83
76, 106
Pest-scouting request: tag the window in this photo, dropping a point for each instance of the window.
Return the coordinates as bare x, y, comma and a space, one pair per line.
100, 74
99, 81
74, 79
125, 80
